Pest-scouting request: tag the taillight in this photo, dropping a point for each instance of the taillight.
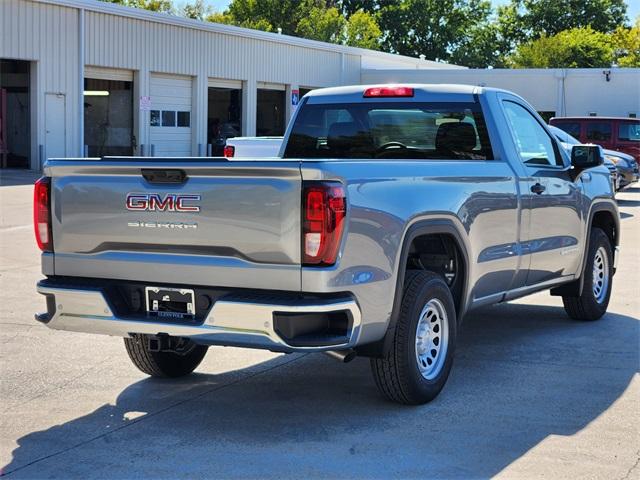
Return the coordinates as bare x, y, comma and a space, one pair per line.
324, 207
42, 214
229, 151
388, 91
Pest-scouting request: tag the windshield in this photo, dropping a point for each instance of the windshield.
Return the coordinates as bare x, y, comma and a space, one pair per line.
402, 130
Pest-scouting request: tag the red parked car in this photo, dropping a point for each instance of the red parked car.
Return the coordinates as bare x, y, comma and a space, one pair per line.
614, 133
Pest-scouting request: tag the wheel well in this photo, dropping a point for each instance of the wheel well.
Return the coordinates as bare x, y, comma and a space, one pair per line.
604, 220
436, 251
441, 254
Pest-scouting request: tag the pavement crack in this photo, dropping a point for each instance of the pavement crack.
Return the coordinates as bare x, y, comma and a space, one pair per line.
150, 415
633, 467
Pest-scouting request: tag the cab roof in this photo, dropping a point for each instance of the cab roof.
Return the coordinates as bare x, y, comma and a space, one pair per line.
422, 92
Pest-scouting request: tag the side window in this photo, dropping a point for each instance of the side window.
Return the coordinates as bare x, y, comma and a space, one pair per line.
534, 145
629, 132
598, 131
572, 128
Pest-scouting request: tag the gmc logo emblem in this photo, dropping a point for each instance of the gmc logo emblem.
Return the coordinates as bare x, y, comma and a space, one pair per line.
156, 202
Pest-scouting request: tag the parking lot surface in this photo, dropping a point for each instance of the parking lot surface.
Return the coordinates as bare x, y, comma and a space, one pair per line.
532, 394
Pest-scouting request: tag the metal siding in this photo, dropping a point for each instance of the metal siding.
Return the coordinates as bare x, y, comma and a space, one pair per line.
48, 35
134, 43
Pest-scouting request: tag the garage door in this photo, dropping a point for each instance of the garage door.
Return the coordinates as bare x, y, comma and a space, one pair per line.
170, 115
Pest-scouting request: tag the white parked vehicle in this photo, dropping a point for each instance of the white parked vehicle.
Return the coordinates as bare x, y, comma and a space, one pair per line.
252, 147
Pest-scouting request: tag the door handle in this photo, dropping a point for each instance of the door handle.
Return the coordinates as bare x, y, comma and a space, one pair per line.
538, 188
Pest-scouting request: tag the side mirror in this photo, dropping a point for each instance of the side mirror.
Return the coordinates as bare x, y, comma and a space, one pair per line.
586, 156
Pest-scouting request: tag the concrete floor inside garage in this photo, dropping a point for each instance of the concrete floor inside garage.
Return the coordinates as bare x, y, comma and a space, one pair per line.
532, 394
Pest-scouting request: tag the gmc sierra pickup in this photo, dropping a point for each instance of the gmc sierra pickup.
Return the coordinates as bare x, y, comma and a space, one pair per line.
392, 211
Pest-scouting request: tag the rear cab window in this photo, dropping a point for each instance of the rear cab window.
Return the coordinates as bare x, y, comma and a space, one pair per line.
401, 130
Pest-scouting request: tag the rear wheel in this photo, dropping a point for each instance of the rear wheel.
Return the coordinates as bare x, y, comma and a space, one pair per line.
418, 364
598, 277
183, 359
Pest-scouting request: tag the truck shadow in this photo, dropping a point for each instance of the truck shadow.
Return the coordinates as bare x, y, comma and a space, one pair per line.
522, 373
628, 203
14, 176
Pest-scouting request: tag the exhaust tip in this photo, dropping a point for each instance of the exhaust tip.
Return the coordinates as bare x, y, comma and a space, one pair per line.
343, 356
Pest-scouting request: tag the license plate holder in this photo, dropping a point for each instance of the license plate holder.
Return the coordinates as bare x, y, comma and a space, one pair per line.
170, 302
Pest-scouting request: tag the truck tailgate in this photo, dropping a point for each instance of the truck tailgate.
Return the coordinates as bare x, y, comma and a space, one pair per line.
228, 224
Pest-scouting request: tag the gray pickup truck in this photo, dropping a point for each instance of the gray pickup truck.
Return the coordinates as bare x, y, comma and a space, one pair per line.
391, 212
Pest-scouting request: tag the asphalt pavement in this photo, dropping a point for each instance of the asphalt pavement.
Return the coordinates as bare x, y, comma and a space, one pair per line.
532, 394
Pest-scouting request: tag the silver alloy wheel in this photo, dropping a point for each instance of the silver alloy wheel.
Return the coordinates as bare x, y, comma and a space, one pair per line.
600, 274
432, 339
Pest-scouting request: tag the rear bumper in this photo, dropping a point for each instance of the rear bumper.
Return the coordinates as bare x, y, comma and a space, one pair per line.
231, 321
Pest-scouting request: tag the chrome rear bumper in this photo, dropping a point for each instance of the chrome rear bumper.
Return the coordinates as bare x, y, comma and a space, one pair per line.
229, 322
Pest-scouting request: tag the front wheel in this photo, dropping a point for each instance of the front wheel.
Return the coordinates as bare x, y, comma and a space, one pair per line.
181, 361
598, 279
417, 365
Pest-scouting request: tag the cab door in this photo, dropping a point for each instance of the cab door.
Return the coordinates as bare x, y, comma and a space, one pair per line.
554, 234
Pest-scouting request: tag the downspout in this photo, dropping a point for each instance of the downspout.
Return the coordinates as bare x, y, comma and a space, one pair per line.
81, 81
561, 102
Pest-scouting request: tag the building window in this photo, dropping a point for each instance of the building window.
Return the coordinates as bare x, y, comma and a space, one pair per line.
154, 118
108, 117
168, 118
184, 119
547, 115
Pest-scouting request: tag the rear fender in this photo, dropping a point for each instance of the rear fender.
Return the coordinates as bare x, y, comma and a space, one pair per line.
422, 227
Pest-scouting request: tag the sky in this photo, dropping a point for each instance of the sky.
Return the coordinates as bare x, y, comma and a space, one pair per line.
632, 12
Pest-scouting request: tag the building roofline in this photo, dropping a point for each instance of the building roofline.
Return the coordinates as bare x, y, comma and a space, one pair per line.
512, 71
141, 14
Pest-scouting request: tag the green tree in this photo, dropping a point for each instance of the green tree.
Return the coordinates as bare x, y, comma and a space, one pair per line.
362, 31
574, 48
270, 15
197, 10
429, 27
162, 6
320, 20
530, 19
481, 47
324, 24
626, 45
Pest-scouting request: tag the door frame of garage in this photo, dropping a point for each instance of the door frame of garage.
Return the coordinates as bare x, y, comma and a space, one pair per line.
213, 82
281, 87
195, 109
105, 73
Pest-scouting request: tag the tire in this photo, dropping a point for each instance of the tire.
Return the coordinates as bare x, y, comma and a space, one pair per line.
164, 364
404, 375
593, 302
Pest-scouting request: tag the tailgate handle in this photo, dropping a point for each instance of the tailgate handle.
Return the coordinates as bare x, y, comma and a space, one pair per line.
164, 175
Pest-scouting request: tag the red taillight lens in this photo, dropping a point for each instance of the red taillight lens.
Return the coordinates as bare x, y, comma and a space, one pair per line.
386, 92
229, 151
324, 207
42, 214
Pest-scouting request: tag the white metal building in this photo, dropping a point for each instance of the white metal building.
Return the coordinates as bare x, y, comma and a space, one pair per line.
558, 92
82, 77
